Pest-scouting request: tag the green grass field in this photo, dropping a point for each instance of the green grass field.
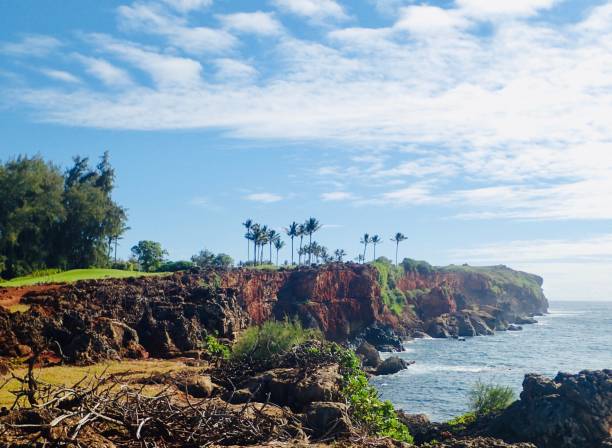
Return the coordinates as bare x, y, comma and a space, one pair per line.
73, 276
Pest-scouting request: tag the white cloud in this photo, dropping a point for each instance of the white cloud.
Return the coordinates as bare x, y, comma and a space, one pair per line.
500, 8
228, 69
31, 45
313, 9
258, 22
431, 20
149, 18
266, 198
60, 75
167, 71
188, 5
105, 71
337, 196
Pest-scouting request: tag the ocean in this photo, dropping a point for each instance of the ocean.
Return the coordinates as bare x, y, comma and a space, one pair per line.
574, 336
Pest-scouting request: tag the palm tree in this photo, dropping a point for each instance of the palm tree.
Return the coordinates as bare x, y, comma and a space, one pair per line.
263, 240
247, 225
311, 226
365, 241
272, 236
339, 254
292, 231
255, 236
398, 238
301, 233
278, 245
375, 240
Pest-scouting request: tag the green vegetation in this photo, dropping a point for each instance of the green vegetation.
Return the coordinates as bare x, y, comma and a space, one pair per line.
207, 259
174, 266
417, 267
271, 339
216, 348
463, 420
502, 277
488, 398
367, 409
73, 276
388, 274
54, 219
150, 255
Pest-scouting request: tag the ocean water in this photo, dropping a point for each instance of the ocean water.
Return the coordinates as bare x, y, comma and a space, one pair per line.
574, 336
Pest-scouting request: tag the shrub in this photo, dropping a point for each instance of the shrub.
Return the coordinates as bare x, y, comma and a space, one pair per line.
366, 407
174, 266
488, 398
124, 265
216, 348
463, 420
271, 339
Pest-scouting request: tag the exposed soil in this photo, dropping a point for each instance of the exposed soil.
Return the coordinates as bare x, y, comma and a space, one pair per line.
12, 296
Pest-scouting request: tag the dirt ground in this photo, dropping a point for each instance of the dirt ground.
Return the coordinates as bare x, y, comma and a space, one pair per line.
12, 296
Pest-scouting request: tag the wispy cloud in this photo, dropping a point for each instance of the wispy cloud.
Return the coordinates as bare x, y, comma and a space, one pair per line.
266, 198
188, 5
337, 196
313, 9
105, 71
60, 75
261, 23
31, 45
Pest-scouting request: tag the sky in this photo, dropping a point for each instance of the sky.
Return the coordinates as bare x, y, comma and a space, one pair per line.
478, 128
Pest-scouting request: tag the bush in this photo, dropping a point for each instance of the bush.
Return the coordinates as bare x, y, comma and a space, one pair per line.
488, 398
216, 348
124, 265
366, 408
174, 266
271, 339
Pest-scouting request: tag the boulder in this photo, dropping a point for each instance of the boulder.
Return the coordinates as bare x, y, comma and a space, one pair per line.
295, 387
198, 386
368, 354
382, 337
392, 365
525, 320
513, 327
480, 442
569, 411
327, 419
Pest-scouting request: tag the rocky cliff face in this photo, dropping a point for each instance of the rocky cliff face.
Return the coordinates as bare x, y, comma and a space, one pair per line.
169, 316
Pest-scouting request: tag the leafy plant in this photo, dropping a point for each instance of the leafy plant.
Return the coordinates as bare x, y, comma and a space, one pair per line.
271, 339
366, 407
463, 420
488, 398
216, 348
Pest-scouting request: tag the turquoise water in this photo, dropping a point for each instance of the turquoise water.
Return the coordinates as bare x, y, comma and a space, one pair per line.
574, 336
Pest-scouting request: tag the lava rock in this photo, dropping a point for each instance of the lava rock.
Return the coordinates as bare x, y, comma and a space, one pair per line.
392, 365
369, 355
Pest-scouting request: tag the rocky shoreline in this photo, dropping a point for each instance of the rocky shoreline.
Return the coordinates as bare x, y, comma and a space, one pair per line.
167, 317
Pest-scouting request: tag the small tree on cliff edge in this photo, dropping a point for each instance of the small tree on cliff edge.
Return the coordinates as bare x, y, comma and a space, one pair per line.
292, 231
397, 239
149, 254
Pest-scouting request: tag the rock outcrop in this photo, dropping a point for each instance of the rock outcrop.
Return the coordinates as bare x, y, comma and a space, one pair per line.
169, 316
569, 411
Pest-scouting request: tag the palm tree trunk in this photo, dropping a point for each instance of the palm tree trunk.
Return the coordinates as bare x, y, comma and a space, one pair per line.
291, 251
116, 249
277, 257
365, 247
270, 251
254, 253
396, 249
310, 244
300, 252
248, 250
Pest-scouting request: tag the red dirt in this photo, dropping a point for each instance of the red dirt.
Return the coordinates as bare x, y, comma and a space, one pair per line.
12, 296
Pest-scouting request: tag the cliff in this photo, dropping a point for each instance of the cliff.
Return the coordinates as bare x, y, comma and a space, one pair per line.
169, 316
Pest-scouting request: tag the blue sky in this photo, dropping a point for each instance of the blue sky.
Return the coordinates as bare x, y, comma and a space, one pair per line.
479, 128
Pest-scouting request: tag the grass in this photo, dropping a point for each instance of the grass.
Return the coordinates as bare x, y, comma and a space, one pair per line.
73, 276
69, 375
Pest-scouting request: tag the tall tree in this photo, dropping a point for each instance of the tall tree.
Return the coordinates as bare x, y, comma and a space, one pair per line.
255, 237
375, 241
365, 240
397, 239
292, 231
301, 233
247, 225
278, 245
272, 237
339, 254
311, 226
150, 255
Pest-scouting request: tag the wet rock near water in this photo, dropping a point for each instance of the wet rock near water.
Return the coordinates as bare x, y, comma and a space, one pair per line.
392, 365
569, 411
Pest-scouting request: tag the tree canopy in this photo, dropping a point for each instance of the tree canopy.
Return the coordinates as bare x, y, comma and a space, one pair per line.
54, 219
